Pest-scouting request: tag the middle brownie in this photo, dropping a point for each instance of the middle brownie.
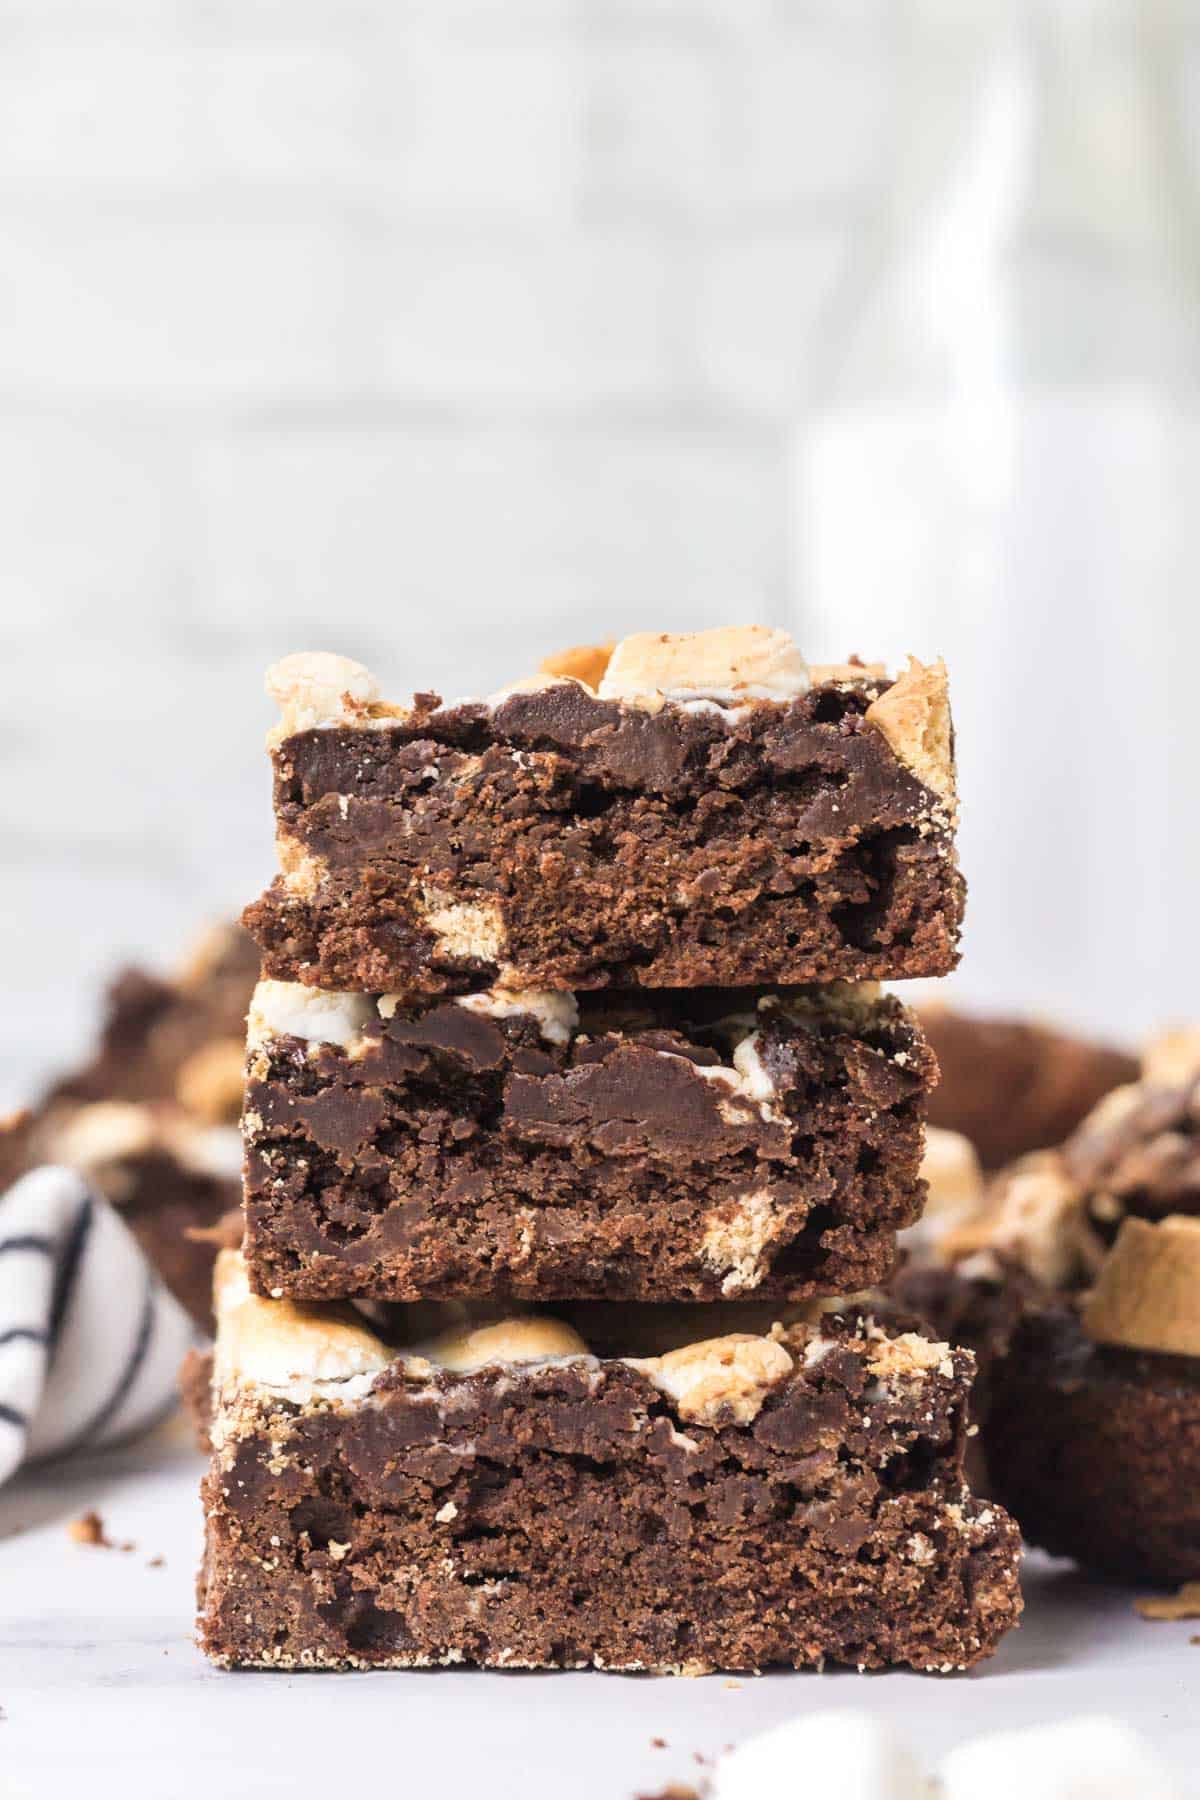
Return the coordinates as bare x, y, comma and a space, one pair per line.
668, 1145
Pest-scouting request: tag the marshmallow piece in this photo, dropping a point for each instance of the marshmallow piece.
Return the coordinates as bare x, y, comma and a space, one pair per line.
106, 1132
907, 1356
950, 1168
557, 1014
523, 1340
736, 1238
316, 689
1147, 1295
733, 663
1173, 1058
209, 1081
470, 929
1035, 1215
719, 1378
582, 662
845, 1752
756, 1082
299, 1353
914, 716
1077, 1759
289, 1009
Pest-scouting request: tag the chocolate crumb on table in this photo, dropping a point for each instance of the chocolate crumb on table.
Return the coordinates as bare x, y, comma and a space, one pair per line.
661, 1145
499, 1495
711, 812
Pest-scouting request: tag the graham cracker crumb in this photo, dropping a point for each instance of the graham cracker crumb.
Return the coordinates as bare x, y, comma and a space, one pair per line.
1183, 1605
88, 1528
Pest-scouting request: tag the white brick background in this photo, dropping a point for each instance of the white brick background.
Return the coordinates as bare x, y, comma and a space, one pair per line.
439, 332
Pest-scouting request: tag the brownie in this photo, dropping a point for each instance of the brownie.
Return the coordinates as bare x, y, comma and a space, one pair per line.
150, 1117
176, 1038
667, 1144
1057, 1212
498, 1495
1013, 1085
711, 814
1096, 1449
195, 1390
166, 1175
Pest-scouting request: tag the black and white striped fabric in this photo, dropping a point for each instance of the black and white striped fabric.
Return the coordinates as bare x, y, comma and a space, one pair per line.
90, 1339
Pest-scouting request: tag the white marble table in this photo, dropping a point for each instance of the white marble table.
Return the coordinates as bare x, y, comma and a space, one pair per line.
104, 1693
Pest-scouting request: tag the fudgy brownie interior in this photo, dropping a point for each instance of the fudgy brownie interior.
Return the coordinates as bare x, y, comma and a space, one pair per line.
680, 1145
789, 1498
578, 842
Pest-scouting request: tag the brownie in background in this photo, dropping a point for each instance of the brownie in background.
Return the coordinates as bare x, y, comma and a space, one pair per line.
1014, 1085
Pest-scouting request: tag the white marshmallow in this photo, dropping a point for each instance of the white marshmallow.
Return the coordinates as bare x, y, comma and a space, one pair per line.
289, 1009
1076, 1759
557, 1014
847, 1753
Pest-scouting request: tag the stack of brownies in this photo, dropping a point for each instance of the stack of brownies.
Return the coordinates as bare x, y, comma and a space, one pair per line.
572, 1109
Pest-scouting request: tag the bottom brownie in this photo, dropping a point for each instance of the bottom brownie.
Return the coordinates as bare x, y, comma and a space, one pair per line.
499, 1495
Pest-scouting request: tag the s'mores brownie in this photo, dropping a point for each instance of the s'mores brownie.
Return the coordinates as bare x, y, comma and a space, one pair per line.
1015, 1085
498, 1493
1093, 1430
664, 1144
689, 811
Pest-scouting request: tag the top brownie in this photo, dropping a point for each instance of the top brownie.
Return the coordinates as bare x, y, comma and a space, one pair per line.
701, 810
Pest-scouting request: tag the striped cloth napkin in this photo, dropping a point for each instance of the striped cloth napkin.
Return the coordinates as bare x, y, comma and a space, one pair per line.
90, 1339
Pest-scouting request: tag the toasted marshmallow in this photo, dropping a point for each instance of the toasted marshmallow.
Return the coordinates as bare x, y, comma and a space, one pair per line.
731, 665
719, 1378
297, 1353
914, 716
316, 689
522, 1340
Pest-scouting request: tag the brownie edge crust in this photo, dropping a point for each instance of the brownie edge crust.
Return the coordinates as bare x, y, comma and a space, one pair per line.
498, 1495
672, 827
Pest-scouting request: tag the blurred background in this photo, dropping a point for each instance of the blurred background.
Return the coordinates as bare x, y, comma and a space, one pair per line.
444, 333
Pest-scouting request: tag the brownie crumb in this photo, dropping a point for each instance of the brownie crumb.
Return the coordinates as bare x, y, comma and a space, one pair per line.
88, 1528
657, 1743
157, 1562
1183, 1605
674, 1790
